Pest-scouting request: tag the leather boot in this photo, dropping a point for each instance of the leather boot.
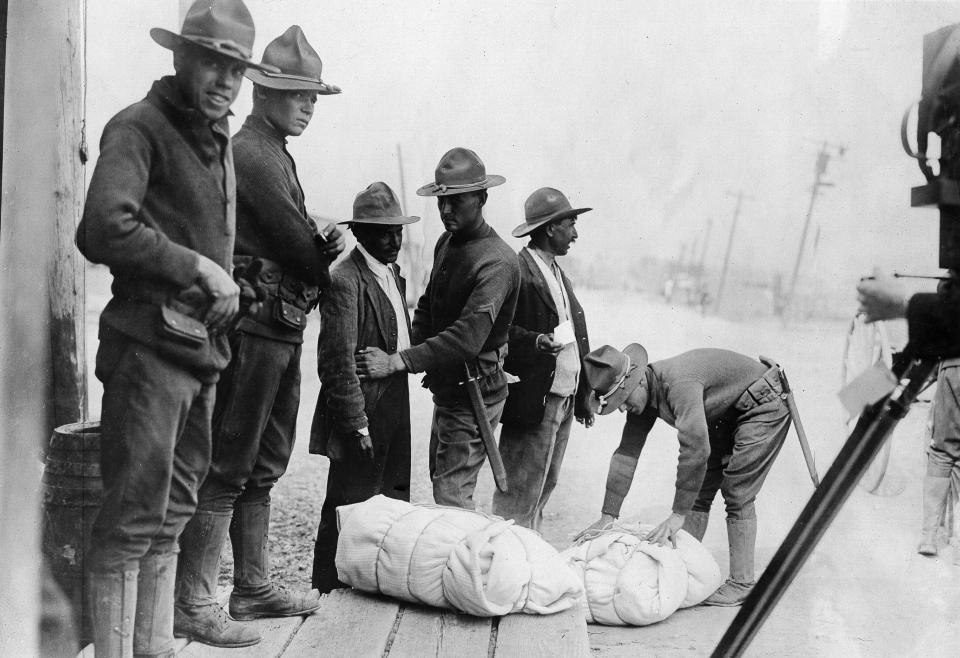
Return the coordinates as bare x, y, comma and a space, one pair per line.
742, 538
934, 501
113, 604
153, 627
696, 524
197, 614
253, 595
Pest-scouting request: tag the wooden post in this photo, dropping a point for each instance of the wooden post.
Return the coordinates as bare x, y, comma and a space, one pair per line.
726, 258
41, 295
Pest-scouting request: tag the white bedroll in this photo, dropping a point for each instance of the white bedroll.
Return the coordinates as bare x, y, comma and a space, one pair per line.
631, 582
451, 558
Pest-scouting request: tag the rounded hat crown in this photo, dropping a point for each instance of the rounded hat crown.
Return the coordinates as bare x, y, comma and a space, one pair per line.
226, 21
298, 64
460, 167
378, 200
379, 205
545, 202
459, 170
604, 368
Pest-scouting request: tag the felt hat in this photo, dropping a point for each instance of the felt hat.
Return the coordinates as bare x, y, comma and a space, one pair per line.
612, 375
223, 26
545, 205
298, 64
378, 205
460, 170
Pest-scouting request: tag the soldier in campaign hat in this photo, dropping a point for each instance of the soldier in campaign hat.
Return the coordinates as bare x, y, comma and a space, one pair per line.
160, 213
731, 419
258, 396
362, 426
459, 326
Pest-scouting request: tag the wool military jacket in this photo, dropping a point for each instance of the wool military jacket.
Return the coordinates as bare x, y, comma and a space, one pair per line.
272, 219
163, 191
536, 314
465, 313
694, 392
354, 313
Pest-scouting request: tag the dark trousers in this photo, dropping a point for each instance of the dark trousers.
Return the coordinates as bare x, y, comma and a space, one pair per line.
254, 422
353, 478
155, 451
744, 447
457, 452
532, 457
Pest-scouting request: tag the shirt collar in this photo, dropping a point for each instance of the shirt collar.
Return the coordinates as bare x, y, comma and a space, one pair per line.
259, 124
378, 268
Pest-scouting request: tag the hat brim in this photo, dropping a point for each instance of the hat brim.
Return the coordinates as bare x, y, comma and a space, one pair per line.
525, 228
170, 41
290, 82
638, 365
435, 189
384, 221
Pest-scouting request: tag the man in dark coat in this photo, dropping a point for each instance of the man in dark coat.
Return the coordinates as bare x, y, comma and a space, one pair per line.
160, 212
255, 416
548, 339
731, 419
461, 322
363, 427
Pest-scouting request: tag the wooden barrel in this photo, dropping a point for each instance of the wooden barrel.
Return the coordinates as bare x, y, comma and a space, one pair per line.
72, 490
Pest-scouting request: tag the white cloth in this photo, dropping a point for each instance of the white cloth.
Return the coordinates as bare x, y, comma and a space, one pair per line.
630, 582
567, 372
386, 277
451, 558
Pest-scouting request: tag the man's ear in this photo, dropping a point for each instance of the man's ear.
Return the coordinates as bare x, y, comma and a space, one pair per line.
483, 198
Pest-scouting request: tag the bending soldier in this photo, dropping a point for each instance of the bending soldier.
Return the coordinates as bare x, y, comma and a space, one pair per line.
731, 421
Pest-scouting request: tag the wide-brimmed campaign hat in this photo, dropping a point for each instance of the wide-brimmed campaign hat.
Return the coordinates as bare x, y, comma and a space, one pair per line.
545, 205
460, 171
298, 63
378, 205
612, 375
223, 26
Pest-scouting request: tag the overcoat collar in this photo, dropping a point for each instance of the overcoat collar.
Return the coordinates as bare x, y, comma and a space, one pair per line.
378, 299
536, 276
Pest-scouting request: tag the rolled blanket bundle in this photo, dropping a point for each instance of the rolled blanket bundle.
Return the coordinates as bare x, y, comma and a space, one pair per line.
631, 582
451, 558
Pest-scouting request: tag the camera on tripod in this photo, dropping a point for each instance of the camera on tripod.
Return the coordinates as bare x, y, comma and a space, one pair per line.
938, 111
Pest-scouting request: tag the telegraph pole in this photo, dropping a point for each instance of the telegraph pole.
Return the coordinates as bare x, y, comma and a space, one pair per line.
726, 258
823, 159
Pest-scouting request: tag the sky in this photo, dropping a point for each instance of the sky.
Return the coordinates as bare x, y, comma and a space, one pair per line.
655, 114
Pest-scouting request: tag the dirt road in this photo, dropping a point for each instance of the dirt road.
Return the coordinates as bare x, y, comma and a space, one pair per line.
864, 592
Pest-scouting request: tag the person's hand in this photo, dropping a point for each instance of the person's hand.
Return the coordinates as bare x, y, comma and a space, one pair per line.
366, 445
586, 419
223, 292
546, 344
332, 241
595, 528
374, 363
881, 297
666, 531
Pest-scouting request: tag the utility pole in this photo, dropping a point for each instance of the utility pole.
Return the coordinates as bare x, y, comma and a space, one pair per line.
823, 159
726, 258
703, 257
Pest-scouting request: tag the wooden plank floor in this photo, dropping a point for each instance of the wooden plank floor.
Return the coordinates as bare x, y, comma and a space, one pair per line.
353, 624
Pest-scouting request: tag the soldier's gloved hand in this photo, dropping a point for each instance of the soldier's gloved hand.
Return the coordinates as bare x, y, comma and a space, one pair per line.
331, 241
222, 290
